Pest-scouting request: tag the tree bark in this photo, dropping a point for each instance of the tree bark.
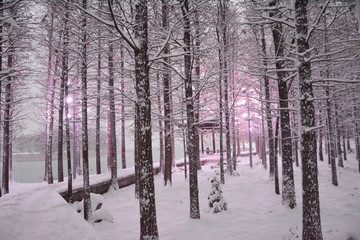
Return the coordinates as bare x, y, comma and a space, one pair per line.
288, 184
7, 119
268, 106
331, 137
196, 81
223, 48
194, 189
311, 203
161, 135
85, 141
112, 123
276, 168
167, 105
338, 138
49, 101
122, 121
98, 104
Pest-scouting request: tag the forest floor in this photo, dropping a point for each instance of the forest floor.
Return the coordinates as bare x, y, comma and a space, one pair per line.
255, 212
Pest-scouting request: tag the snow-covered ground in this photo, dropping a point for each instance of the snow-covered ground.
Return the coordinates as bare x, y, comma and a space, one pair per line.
36, 211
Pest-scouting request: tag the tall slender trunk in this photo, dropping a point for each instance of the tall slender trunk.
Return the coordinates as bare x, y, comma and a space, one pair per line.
321, 153
64, 80
331, 137
184, 138
136, 152
98, 103
85, 141
263, 144
7, 117
356, 129
112, 124
161, 137
276, 168
288, 184
167, 105
223, 12
338, 138
194, 189
311, 203
122, 121
268, 106
348, 145
233, 112
68, 147
344, 143
49, 91
196, 81
222, 177
65, 88
1, 68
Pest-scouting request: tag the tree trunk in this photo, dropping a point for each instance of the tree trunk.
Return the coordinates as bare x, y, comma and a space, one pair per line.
1, 68
85, 144
356, 130
65, 88
122, 121
224, 55
348, 146
276, 168
167, 104
344, 143
196, 81
67, 139
321, 154
136, 152
222, 177
112, 124
148, 222
268, 107
49, 93
184, 138
311, 203
338, 138
98, 103
194, 189
288, 184
7, 119
161, 137
331, 138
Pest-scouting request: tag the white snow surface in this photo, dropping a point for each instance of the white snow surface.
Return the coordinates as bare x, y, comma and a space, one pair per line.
37, 211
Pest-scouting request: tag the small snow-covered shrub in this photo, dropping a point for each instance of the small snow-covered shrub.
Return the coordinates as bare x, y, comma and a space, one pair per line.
98, 213
216, 201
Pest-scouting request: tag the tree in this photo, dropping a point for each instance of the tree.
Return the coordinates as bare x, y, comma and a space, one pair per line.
85, 143
311, 202
139, 44
288, 186
193, 183
111, 120
50, 95
98, 101
167, 104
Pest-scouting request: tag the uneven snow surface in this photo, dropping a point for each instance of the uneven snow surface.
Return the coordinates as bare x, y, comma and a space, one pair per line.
35, 211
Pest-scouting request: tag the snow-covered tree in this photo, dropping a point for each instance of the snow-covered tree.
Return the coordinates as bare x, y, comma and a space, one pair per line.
216, 201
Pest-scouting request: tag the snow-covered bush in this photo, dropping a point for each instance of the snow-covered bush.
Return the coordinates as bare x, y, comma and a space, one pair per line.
216, 201
98, 214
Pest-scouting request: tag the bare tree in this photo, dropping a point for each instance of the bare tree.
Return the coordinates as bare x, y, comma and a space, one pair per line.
288, 186
85, 143
311, 202
194, 191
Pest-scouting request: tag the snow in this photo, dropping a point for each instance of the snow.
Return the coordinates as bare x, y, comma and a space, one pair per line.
36, 211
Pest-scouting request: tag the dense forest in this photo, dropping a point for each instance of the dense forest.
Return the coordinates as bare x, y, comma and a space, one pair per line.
284, 74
